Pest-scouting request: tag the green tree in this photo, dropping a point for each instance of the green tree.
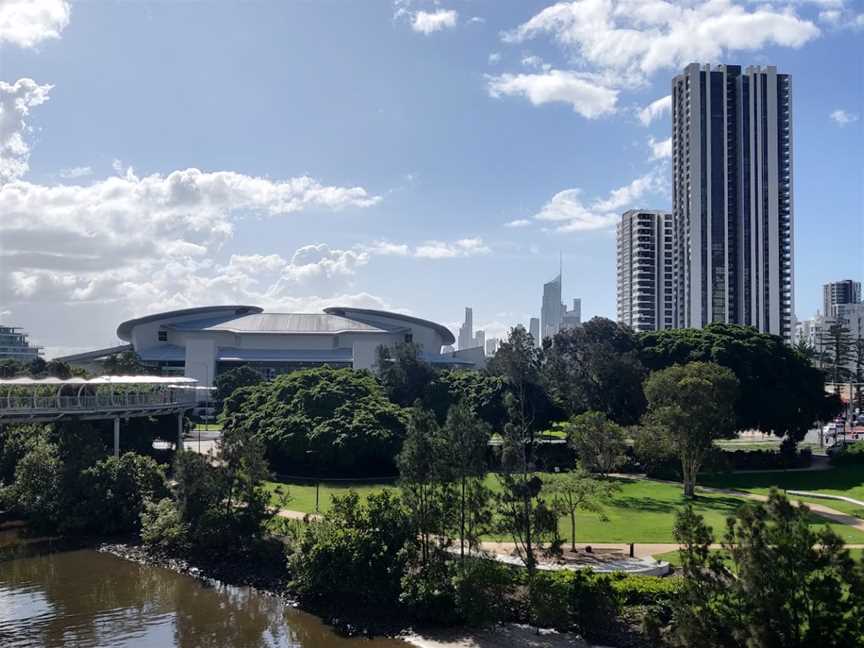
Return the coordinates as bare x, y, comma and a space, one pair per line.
483, 392
341, 415
126, 363
421, 466
580, 491
465, 444
692, 405
599, 443
780, 393
406, 377
596, 367
228, 382
838, 351
522, 512
785, 583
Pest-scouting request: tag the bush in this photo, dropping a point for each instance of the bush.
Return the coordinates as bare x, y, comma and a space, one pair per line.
354, 558
580, 600
852, 455
550, 599
429, 594
162, 527
484, 591
644, 590
117, 489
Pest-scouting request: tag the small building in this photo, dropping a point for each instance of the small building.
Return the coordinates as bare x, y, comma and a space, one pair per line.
15, 345
202, 342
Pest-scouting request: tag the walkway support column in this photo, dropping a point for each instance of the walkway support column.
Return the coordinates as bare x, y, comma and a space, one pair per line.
116, 436
180, 432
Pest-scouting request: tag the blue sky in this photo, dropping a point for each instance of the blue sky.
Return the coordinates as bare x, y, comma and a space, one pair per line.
420, 156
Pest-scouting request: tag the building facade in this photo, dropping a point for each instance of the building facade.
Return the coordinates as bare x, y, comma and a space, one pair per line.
840, 292
534, 330
15, 345
550, 308
732, 198
466, 331
203, 342
644, 266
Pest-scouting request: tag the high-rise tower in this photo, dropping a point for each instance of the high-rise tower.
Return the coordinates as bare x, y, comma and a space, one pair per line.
550, 311
732, 197
466, 331
645, 278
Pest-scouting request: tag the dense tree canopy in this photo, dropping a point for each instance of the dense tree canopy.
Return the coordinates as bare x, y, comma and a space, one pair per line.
229, 381
780, 392
596, 367
316, 420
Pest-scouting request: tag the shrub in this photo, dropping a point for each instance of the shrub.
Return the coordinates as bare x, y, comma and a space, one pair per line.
429, 594
162, 527
850, 456
644, 590
550, 600
484, 590
353, 559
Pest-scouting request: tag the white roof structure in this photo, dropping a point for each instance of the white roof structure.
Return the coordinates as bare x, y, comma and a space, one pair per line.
102, 380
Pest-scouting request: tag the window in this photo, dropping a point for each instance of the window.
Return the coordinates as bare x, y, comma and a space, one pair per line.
409, 338
162, 336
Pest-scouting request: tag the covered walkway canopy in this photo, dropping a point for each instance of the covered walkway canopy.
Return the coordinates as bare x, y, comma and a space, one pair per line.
43, 400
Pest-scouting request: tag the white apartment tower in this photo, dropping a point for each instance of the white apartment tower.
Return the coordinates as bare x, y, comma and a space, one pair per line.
645, 277
732, 198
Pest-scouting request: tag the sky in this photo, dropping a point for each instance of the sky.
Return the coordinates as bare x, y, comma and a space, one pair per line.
410, 155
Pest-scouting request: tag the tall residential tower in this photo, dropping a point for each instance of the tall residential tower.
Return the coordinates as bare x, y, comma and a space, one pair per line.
732, 197
645, 277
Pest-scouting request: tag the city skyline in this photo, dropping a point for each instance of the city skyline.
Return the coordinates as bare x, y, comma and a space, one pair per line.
121, 202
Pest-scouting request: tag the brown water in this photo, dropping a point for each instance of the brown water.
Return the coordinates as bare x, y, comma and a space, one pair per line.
83, 599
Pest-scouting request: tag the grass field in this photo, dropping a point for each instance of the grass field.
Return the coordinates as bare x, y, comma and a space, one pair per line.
674, 557
642, 511
842, 480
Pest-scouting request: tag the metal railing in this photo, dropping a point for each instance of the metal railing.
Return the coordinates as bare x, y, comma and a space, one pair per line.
23, 403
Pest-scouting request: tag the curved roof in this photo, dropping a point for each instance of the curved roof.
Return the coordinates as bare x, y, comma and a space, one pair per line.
347, 311
124, 331
306, 323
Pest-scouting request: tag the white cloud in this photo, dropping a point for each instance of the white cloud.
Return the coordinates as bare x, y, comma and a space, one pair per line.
16, 100
535, 62
661, 149
655, 110
443, 250
26, 23
519, 222
584, 95
385, 248
843, 117
427, 22
635, 38
75, 172
569, 213
494, 58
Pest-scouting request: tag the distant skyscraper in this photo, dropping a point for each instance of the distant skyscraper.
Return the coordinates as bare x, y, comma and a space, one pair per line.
644, 250
491, 346
534, 329
572, 318
839, 292
732, 197
466, 331
480, 339
550, 311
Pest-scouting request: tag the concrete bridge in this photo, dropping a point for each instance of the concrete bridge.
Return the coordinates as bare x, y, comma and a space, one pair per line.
47, 400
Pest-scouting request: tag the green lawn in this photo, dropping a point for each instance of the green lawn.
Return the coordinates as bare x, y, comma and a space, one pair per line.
842, 480
674, 557
642, 511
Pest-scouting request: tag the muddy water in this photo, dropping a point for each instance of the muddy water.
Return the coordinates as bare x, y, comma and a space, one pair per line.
82, 598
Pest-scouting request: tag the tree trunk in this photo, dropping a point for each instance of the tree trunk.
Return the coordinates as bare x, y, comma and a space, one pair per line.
462, 524
573, 531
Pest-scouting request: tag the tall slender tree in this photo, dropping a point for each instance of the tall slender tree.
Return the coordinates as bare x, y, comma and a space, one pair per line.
465, 443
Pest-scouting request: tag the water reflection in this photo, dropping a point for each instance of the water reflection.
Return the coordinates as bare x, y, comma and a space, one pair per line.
86, 599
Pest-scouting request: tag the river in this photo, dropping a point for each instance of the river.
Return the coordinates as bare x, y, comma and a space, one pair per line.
82, 598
